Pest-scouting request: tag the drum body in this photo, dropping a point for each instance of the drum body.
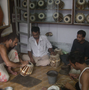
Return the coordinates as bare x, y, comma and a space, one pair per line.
26, 70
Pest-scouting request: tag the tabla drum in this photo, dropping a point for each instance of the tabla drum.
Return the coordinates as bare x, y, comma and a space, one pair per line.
80, 18
67, 19
32, 5
81, 4
58, 17
24, 3
32, 18
27, 70
25, 15
41, 16
41, 4
50, 4
87, 18
59, 4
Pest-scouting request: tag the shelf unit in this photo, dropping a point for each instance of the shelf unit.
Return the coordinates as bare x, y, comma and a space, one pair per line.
80, 14
18, 10
67, 9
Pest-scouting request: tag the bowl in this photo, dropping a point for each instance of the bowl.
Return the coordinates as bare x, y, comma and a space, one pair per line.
8, 88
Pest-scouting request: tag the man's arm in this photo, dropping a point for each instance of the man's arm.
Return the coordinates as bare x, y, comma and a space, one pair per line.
6, 59
30, 55
51, 51
85, 81
73, 46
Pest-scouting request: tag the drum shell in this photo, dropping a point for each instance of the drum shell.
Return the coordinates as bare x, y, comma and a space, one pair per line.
76, 18
59, 18
60, 5
26, 70
68, 16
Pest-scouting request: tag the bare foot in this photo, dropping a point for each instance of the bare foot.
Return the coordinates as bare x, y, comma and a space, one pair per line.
11, 71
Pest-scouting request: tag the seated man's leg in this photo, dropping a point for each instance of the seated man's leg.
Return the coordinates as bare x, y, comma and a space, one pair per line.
42, 61
13, 56
25, 57
4, 76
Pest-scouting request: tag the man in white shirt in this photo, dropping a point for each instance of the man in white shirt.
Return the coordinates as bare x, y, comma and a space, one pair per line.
38, 47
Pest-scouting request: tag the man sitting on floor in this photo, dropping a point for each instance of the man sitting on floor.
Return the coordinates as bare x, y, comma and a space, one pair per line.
77, 61
11, 41
38, 47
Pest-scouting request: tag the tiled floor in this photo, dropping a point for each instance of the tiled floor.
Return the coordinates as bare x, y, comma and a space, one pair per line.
39, 73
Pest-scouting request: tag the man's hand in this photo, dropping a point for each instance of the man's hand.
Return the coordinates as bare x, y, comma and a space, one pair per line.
24, 63
32, 60
53, 53
74, 76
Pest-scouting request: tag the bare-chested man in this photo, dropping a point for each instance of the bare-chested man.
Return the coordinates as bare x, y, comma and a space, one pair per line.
10, 42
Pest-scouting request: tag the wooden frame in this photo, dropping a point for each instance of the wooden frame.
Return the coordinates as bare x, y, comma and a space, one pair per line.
6, 11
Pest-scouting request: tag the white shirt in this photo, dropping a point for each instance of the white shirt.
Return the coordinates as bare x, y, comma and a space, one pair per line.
39, 49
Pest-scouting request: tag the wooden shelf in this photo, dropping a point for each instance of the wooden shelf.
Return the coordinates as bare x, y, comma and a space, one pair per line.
40, 22
82, 10
53, 9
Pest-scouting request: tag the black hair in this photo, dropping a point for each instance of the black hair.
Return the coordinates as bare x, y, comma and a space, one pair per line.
76, 57
35, 29
12, 36
83, 33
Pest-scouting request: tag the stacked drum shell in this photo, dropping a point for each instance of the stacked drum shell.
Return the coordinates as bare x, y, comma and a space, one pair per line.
24, 3
25, 15
67, 18
59, 4
32, 5
33, 17
41, 4
41, 16
87, 18
80, 18
50, 4
58, 17
81, 4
